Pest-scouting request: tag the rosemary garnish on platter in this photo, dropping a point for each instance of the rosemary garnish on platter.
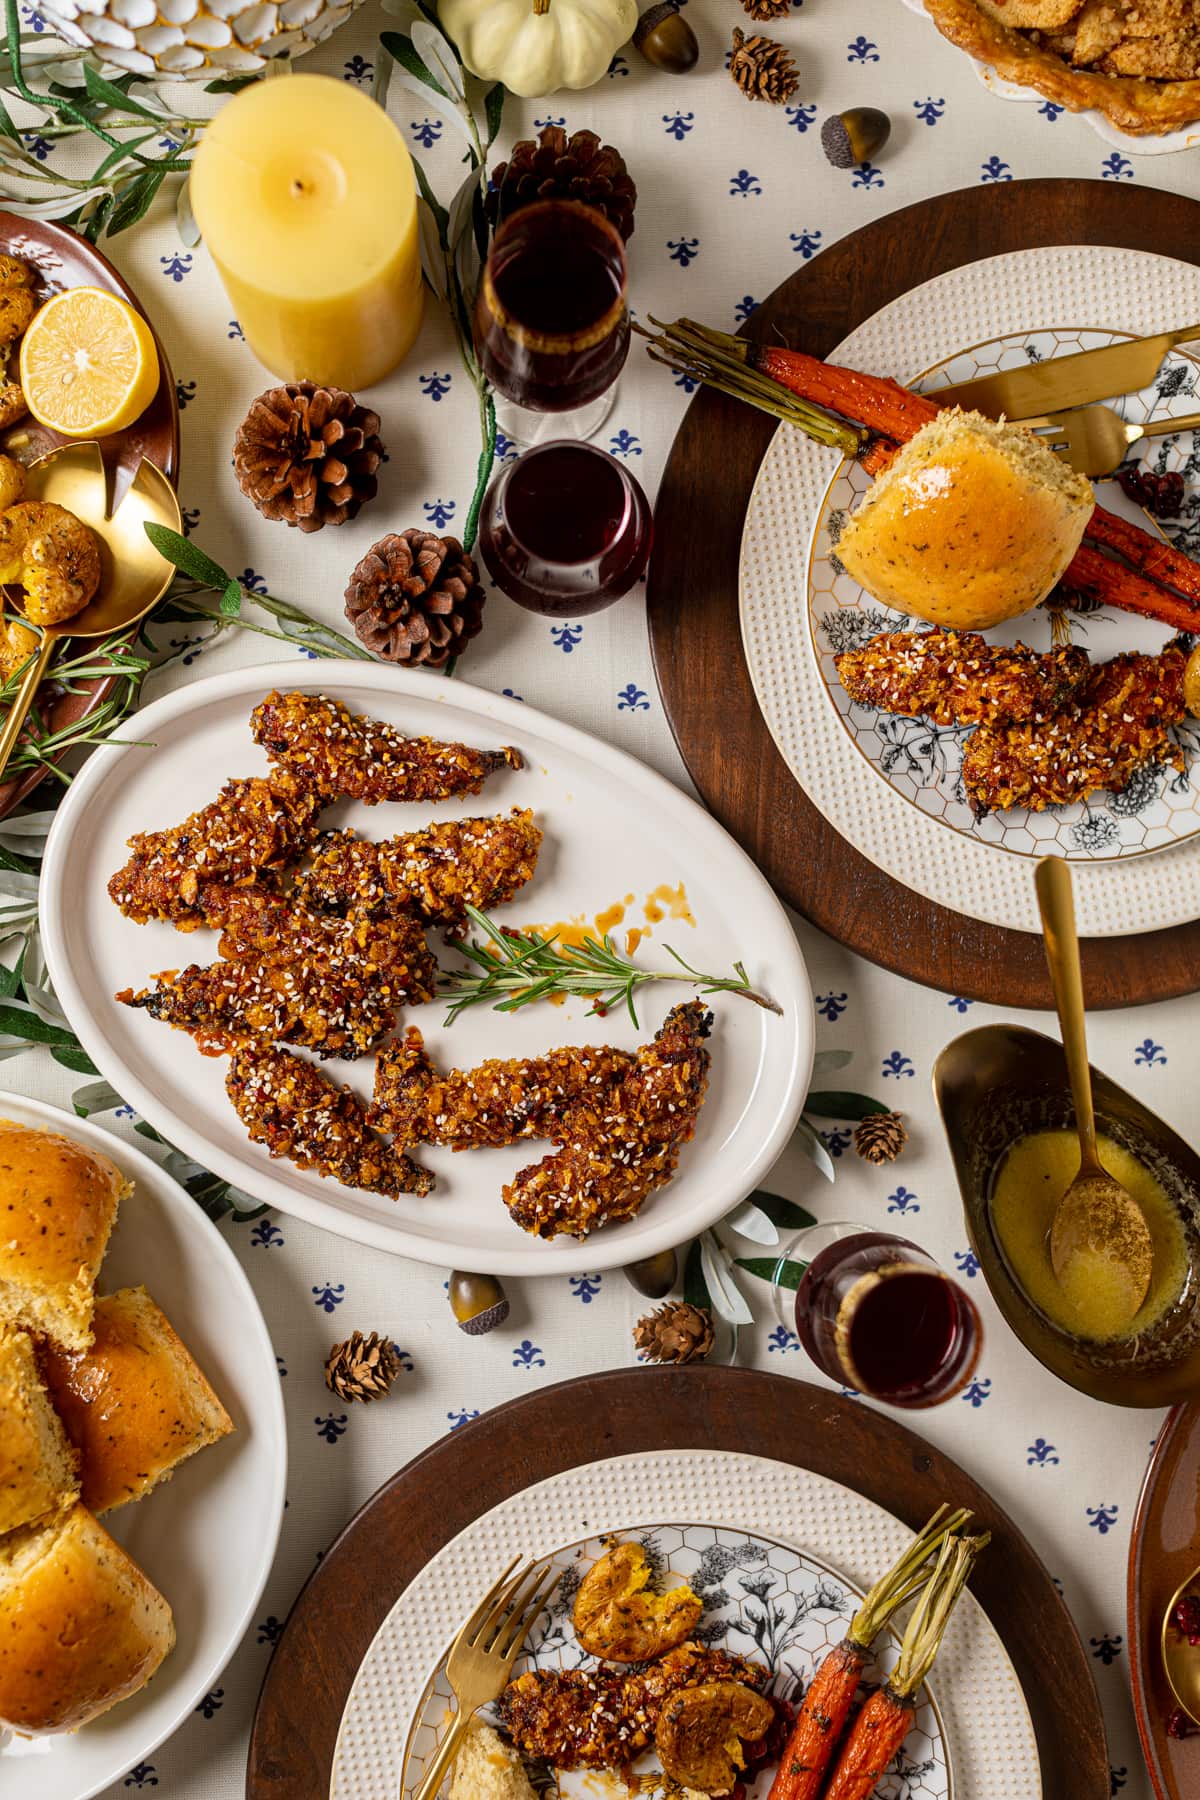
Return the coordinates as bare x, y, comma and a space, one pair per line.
515, 968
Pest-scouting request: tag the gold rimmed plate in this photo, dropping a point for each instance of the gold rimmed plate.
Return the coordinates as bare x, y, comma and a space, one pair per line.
920, 762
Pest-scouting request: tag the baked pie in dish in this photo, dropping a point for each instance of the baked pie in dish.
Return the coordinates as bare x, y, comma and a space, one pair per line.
1135, 61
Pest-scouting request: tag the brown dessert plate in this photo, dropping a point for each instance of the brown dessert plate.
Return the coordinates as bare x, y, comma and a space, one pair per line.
1164, 1547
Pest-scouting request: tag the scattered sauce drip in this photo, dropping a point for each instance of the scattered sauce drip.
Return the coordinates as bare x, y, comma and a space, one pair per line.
674, 900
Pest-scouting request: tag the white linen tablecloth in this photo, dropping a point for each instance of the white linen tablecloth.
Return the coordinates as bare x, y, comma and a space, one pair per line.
732, 196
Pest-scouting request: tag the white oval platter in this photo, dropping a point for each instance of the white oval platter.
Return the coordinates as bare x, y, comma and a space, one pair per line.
617, 834
207, 1537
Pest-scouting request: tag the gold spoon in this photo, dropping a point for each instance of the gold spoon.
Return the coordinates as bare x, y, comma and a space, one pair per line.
133, 575
1099, 1238
1181, 1660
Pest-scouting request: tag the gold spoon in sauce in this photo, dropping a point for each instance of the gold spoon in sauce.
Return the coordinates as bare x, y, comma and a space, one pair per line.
133, 575
1099, 1240
1181, 1660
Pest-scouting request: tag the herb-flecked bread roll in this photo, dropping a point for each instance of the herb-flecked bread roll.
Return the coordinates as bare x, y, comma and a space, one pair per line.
135, 1404
38, 1472
58, 1204
81, 1627
971, 523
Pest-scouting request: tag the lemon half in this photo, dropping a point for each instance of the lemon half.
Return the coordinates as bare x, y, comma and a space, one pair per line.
89, 365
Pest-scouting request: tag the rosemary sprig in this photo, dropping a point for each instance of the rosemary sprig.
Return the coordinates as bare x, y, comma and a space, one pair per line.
516, 968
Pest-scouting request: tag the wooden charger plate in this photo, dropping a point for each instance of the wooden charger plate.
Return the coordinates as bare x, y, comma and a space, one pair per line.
692, 601
64, 260
641, 1411
1163, 1550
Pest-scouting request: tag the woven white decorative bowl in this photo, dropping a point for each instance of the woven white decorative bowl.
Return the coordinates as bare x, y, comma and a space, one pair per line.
195, 39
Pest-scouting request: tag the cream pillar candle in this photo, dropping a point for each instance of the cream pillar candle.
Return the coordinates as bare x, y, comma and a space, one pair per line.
305, 195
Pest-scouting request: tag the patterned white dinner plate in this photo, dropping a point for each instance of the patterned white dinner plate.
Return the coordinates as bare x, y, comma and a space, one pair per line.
191, 1535
978, 1739
1153, 144
621, 845
988, 303
767, 1601
923, 762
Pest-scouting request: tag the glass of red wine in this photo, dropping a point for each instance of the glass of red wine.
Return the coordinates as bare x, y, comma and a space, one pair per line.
877, 1314
565, 529
551, 321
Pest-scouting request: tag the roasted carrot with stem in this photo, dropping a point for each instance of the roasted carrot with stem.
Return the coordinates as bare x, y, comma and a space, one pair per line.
831, 1691
756, 373
887, 1718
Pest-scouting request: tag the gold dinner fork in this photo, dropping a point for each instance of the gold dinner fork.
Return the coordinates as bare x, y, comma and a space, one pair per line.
1095, 439
482, 1655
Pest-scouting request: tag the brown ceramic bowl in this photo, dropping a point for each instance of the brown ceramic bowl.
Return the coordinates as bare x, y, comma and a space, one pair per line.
1164, 1548
1000, 1083
64, 259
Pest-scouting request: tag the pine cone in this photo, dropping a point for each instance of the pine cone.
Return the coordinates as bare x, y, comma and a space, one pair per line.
766, 10
558, 167
308, 455
677, 1333
415, 598
762, 68
880, 1137
363, 1368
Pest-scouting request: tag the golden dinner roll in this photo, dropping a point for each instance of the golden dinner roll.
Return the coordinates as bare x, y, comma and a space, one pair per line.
81, 1626
58, 1204
135, 1404
38, 1467
971, 523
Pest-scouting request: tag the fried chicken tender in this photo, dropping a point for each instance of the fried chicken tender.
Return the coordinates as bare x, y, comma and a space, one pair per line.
604, 1718
52, 554
618, 1146
257, 823
437, 872
347, 756
499, 1102
296, 1112
1119, 723
958, 678
330, 984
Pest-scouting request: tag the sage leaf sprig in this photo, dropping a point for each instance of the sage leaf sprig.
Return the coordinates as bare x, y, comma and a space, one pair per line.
511, 969
198, 574
454, 238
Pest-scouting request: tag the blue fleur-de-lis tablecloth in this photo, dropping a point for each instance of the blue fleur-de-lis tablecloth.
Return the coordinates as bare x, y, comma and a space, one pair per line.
733, 197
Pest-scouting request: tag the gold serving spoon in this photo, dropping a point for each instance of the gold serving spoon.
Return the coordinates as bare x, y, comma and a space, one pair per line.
1095, 440
133, 575
1181, 1660
1099, 1240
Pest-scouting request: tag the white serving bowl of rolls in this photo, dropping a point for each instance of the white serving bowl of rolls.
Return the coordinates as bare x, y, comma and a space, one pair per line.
142, 1454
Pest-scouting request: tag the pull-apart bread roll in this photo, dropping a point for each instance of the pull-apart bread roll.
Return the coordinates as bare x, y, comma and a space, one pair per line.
58, 1204
81, 1626
37, 1464
971, 523
135, 1404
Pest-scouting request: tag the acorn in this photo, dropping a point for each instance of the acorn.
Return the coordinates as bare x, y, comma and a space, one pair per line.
666, 40
478, 1302
654, 1276
856, 136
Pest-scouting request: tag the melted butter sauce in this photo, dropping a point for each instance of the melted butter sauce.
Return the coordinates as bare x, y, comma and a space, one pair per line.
1034, 1176
663, 902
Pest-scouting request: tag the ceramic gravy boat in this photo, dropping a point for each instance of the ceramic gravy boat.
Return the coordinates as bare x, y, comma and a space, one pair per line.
1002, 1082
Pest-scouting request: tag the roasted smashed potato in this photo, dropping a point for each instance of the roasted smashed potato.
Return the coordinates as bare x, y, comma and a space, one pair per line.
701, 1732
616, 1616
54, 557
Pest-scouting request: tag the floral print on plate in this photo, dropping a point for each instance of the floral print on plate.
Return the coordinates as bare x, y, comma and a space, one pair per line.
764, 1600
923, 762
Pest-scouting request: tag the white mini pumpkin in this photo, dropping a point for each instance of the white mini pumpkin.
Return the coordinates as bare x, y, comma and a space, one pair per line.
536, 46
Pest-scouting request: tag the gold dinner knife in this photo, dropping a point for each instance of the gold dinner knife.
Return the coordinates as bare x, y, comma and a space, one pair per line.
1065, 381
